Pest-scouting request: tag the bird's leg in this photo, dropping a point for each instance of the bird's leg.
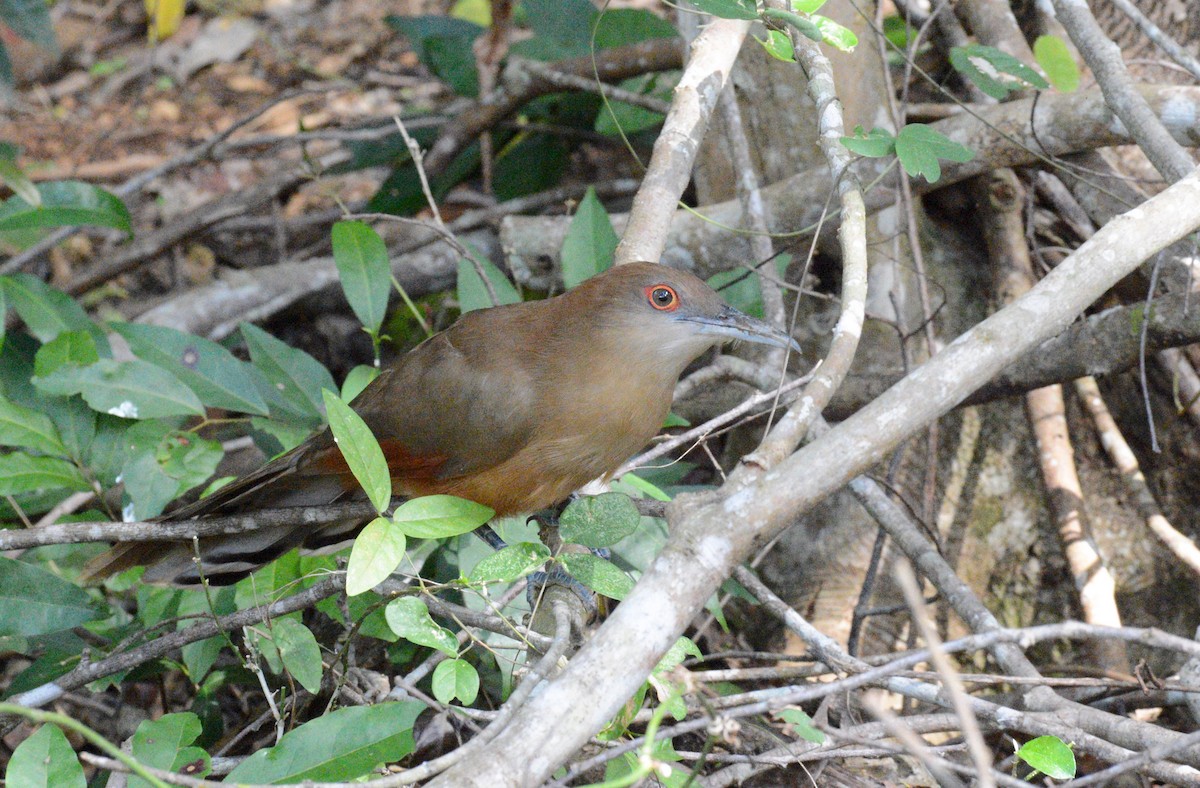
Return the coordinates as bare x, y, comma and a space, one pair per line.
547, 520
489, 535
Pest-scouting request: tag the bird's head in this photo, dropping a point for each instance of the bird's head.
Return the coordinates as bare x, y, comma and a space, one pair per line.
670, 313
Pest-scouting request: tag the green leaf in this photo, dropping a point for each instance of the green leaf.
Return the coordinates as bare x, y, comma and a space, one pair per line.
963, 59
617, 117
298, 377
840, 37
358, 379
200, 656
597, 574
342, 745
377, 551
680, 650
567, 23
164, 744
188, 457
21, 473
510, 563
618, 27
30, 19
801, 725
919, 147
162, 463
874, 144
47, 312
409, 618
473, 295
65, 204
129, 389
741, 290
77, 348
443, 45
12, 176
453, 61
645, 487
807, 6
147, 486
728, 9
1050, 756
1054, 57
363, 266
217, 377
361, 450
299, 651
532, 162
286, 432
590, 242
28, 429
599, 520
778, 45
35, 602
45, 760
419, 29
440, 516
455, 678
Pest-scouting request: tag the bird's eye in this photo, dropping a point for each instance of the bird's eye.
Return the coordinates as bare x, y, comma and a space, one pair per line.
662, 298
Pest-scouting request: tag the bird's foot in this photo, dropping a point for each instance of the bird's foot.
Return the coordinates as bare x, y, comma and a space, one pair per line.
536, 585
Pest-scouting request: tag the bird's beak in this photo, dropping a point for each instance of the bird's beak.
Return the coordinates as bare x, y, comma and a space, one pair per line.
731, 323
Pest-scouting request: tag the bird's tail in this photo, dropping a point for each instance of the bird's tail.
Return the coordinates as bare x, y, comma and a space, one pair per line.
220, 560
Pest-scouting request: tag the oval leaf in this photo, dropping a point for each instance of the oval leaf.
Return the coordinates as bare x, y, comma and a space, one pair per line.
599, 520
728, 9
220, 379
409, 618
357, 380
590, 241
473, 295
297, 377
361, 450
1054, 57
128, 389
597, 574
164, 744
363, 266
299, 651
69, 347
28, 429
21, 473
47, 312
455, 678
1050, 756
440, 516
34, 602
377, 552
511, 563
919, 147
45, 760
65, 204
338, 746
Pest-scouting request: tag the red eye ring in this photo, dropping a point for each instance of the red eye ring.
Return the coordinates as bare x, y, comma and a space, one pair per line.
662, 297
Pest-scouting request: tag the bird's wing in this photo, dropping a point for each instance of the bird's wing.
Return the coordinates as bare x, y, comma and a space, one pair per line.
448, 408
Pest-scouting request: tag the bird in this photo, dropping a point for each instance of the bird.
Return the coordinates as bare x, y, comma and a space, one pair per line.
514, 407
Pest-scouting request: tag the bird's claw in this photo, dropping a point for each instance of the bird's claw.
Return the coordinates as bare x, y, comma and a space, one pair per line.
536, 582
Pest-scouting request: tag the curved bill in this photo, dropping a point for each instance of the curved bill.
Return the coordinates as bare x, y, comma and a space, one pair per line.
731, 323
